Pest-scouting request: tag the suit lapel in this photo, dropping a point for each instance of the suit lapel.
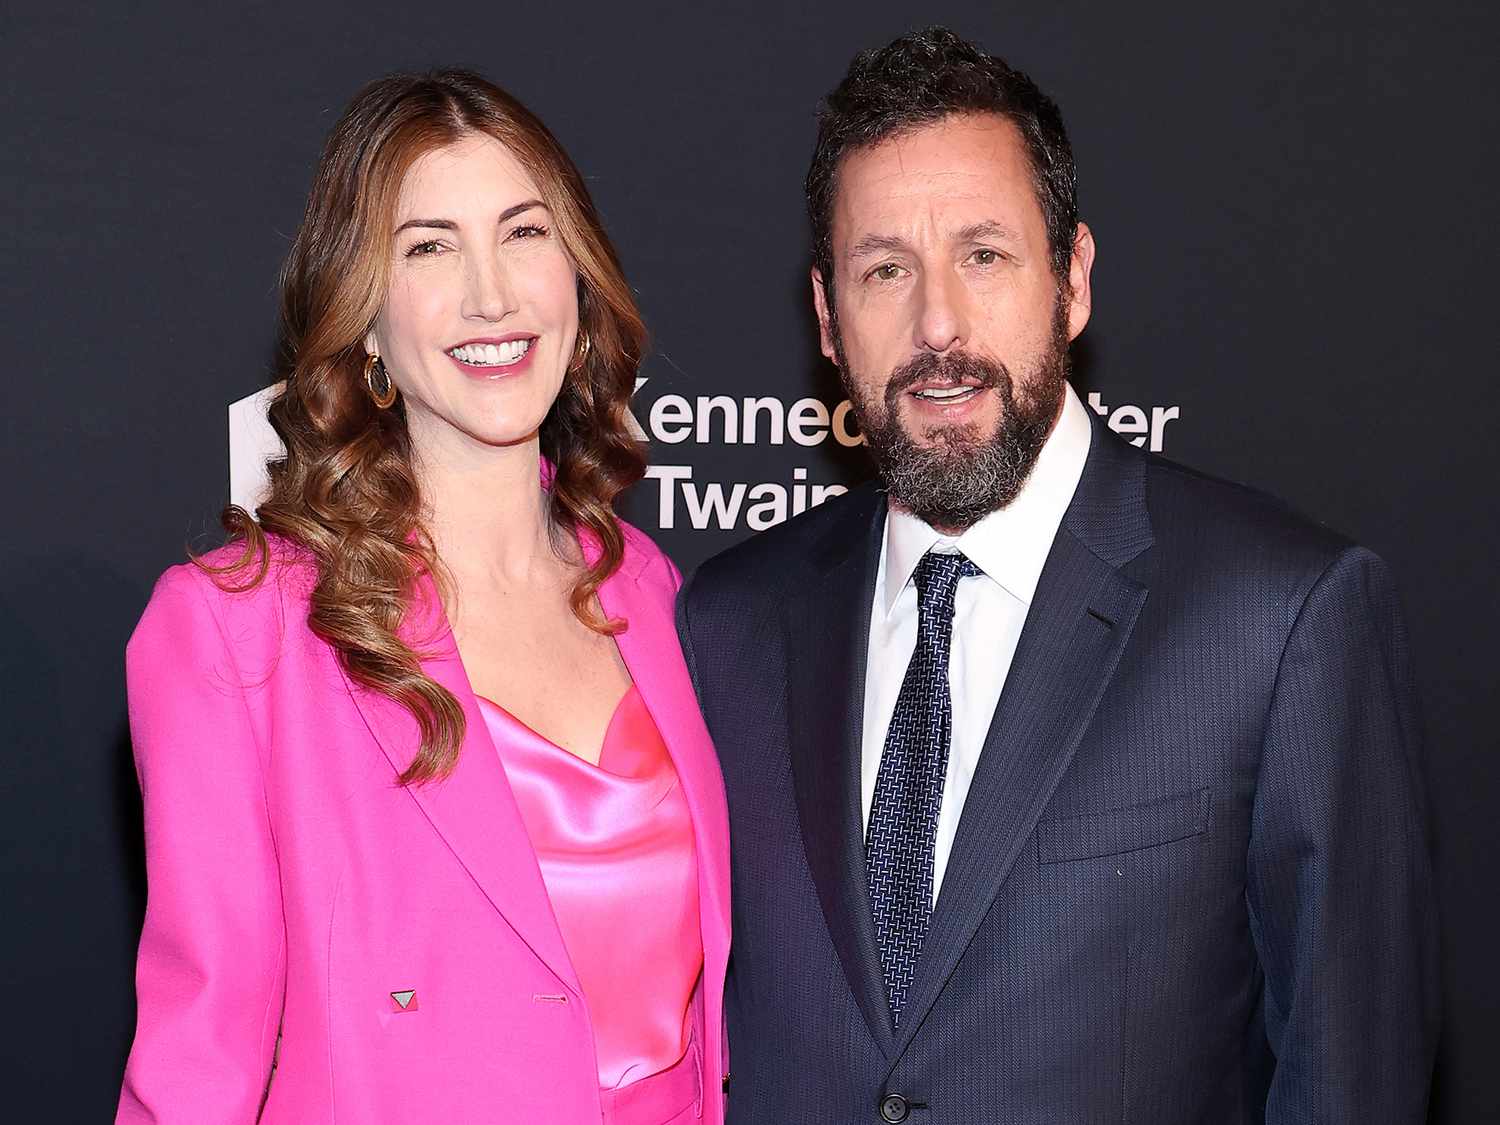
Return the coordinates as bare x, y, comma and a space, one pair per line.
828, 624
1077, 628
473, 809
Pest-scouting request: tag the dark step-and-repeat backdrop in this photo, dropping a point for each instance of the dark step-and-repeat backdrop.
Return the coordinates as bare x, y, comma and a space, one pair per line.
1294, 289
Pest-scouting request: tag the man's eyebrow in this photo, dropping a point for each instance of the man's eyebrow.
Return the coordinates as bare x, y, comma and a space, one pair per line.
987, 229
886, 243
876, 244
448, 224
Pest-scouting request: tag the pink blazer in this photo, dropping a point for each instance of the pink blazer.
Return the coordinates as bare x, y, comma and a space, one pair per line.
294, 886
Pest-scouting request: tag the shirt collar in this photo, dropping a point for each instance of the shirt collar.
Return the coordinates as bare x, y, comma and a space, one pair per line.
1010, 545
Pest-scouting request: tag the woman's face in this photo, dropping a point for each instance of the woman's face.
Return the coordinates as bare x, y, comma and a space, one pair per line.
481, 316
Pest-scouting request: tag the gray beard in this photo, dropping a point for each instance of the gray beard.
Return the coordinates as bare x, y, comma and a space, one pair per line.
958, 475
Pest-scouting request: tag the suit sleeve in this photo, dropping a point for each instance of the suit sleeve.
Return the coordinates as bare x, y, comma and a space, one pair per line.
1339, 881
211, 967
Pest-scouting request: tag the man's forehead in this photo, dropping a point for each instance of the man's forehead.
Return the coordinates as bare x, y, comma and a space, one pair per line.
872, 199
946, 172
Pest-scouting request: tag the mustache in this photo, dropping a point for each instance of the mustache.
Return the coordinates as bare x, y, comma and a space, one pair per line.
952, 368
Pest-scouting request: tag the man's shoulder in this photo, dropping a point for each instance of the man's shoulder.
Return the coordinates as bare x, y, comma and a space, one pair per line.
1238, 526
770, 560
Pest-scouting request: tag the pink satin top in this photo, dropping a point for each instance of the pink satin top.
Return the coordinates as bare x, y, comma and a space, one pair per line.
615, 844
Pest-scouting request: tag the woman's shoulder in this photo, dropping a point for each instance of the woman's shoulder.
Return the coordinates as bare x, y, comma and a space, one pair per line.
646, 561
281, 554
233, 588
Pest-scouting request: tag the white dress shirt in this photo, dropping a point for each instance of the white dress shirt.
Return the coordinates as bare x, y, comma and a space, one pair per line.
1009, 546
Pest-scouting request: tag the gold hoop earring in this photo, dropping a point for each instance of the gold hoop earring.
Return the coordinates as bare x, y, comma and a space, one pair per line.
581, 351
386, 395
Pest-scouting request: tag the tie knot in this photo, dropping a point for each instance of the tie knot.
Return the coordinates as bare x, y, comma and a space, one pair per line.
937, 578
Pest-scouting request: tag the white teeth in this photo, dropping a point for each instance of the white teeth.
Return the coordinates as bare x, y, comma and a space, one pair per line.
491, 355
946, 394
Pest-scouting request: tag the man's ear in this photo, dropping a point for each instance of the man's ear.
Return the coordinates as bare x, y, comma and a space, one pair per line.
825, 313
1080, 268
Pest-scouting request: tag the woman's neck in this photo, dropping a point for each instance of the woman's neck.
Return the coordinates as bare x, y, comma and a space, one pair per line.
487, 512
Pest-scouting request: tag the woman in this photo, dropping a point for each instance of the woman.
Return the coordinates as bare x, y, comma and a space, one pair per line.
434, 830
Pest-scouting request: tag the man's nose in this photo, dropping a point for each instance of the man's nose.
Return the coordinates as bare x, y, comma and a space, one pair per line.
942, 319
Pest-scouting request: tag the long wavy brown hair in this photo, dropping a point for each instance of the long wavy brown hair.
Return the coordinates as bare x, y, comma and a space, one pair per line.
345, 490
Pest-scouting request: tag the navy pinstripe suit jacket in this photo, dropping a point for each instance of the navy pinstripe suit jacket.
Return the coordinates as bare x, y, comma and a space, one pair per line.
1191, 880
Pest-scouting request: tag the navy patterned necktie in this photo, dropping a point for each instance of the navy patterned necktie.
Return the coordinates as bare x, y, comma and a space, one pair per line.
902, 832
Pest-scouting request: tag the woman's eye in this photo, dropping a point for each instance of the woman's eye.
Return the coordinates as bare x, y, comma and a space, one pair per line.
529, 231
424, 248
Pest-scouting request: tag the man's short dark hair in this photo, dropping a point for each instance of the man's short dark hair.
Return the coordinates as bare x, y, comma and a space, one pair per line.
922, 78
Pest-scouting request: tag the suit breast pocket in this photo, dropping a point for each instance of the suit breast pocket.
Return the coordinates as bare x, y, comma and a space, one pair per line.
1129, 829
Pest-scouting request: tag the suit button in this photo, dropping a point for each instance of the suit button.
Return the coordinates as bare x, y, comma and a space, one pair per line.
894, 1108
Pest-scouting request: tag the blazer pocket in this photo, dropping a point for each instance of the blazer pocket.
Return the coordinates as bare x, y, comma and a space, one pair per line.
1123, 830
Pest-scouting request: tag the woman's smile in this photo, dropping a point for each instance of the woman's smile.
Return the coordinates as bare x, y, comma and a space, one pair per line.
493, 357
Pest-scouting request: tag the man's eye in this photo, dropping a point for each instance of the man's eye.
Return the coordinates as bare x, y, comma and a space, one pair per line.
985, 257
888, 272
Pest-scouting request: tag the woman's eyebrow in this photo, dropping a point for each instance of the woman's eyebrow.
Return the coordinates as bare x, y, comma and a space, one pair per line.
449, 224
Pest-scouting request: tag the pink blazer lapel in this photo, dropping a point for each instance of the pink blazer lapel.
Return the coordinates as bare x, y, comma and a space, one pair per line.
473, 809
651, 651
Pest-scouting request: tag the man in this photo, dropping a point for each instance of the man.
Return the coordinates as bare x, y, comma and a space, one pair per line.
1066, 785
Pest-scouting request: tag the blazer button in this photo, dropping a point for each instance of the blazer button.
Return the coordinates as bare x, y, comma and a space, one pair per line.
894, 1108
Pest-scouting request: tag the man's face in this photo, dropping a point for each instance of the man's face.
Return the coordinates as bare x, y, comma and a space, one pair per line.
951, 328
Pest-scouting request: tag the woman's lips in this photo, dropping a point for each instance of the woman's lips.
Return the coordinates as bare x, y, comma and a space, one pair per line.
490, 370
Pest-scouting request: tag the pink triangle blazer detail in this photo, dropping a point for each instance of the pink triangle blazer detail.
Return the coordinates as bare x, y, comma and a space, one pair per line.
398, 941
